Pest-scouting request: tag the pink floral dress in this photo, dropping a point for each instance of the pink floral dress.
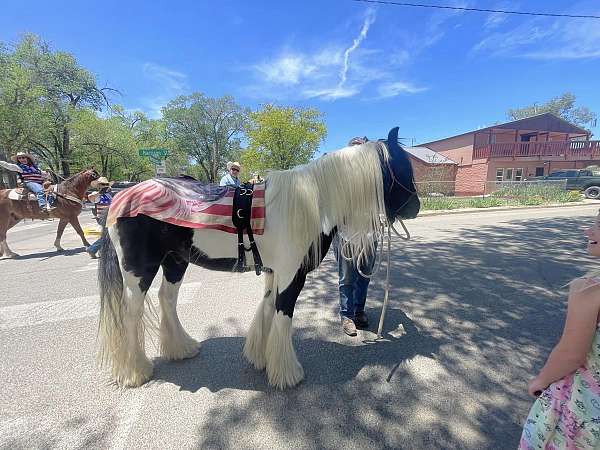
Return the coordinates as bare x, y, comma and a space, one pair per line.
567, 414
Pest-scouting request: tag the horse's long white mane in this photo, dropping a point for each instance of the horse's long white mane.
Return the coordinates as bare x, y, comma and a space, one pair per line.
343, 189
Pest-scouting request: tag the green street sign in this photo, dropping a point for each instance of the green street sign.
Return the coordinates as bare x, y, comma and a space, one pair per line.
157, 153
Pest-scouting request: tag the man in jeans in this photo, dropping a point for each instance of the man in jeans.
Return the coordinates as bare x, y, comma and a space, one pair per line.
352, 285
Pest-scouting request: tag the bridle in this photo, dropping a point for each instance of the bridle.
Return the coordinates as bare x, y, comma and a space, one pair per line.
395, 181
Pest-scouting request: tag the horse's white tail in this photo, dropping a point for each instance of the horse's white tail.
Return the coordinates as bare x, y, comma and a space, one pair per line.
121, 328
110, 280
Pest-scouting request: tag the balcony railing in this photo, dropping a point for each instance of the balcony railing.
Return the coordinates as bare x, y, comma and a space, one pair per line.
566, 149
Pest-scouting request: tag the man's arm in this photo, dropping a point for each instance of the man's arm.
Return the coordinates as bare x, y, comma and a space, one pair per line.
11, 167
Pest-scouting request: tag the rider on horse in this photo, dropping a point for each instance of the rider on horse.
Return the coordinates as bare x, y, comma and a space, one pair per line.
30, 176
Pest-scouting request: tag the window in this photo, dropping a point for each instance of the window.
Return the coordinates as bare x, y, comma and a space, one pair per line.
509, 174
518, 174
493, 138
539, 171
558, 174
499, 174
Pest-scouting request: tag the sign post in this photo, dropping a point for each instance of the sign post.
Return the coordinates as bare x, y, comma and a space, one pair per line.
157, 156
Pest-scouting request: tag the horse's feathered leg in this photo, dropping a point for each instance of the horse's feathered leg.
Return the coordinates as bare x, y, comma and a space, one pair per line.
256, 341
283, 368
175, 343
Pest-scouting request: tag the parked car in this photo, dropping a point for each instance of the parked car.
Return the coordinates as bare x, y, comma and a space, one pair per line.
118, 186
582, 180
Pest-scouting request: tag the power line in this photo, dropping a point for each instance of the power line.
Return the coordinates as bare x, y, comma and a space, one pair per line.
499, 11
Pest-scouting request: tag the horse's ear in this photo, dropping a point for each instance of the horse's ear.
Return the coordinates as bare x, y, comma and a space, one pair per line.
392, 141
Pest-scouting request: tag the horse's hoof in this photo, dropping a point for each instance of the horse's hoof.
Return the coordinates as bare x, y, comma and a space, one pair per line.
60, 249
12, 255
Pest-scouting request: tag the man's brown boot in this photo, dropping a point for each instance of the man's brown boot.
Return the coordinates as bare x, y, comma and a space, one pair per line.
348, 326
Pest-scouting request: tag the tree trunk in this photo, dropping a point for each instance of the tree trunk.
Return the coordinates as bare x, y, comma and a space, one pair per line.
65, 155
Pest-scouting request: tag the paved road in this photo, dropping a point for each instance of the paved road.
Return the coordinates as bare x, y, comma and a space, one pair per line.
477, 303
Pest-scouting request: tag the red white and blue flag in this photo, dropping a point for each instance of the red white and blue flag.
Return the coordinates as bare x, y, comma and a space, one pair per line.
187, 204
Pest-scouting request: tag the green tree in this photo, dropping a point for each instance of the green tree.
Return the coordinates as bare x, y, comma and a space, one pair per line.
111, 144
19, 106
207, 129
61, 87
282, 137
563, 106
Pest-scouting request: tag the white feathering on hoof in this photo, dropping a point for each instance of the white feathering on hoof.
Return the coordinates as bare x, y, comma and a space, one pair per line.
256, 341
175, 343
283, 368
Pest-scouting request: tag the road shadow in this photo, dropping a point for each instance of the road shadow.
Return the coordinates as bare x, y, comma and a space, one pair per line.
221, 365
483, 309
47, 255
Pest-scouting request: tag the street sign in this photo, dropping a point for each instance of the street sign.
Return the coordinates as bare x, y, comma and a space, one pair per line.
157, 153
161, 168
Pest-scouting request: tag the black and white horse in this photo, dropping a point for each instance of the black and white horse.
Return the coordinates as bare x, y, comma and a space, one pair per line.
347, 191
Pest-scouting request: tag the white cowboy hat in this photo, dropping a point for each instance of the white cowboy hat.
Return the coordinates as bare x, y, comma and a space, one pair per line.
235, 164
15, 158
102, 181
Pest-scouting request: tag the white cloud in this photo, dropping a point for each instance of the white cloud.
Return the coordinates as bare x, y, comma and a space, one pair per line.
544, 38
395, 88
169, 83
333, 71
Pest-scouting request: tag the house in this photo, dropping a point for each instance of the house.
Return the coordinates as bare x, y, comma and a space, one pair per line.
513, 151
433, 171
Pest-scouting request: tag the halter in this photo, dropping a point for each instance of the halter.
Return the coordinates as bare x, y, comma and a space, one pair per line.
395, 181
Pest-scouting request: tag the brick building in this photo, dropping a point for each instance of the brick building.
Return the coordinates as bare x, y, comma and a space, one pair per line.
513, 151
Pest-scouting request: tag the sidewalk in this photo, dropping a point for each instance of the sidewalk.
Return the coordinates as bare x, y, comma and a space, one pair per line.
585, 202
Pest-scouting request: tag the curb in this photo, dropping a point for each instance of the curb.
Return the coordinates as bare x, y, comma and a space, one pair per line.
505, 208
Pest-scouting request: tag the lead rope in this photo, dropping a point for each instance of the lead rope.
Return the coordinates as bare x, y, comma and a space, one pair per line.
390, 227
361, 256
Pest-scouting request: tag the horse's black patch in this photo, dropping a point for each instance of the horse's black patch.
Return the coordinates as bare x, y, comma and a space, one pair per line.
174, 268
147, 243
286, 300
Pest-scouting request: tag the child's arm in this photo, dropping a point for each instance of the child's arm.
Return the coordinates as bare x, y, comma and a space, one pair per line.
571, 351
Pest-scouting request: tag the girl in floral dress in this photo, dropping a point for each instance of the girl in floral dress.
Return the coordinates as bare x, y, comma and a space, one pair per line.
566, 414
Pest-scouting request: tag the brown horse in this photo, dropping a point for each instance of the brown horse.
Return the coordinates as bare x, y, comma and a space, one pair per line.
69, 201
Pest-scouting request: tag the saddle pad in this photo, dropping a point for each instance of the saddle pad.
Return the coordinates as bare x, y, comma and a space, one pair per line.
186, 203
17, 194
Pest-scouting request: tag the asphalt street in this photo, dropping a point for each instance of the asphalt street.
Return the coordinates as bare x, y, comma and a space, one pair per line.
476, 303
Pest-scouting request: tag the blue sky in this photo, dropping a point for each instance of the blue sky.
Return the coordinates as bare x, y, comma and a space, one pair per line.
368, 68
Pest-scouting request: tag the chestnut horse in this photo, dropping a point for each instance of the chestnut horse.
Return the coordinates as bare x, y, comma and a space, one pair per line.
69, 201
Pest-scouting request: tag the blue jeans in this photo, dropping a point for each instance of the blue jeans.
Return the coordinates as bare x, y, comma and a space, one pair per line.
352, 285
95, 246
38, 190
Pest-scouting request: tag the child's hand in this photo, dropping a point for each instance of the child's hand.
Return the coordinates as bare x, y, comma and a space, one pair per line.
536, 387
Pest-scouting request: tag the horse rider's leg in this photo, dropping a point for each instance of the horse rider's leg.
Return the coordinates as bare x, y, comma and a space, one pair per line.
130, 365
283, 368
175, 343
59, 232
256, 341
75, 224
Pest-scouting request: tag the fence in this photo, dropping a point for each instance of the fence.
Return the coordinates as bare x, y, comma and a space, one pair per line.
441, 194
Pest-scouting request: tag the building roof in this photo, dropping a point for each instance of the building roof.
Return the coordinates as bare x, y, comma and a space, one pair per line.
541, 122
428, 156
